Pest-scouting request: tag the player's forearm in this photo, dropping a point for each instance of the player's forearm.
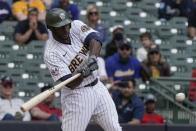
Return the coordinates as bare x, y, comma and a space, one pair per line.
94, 47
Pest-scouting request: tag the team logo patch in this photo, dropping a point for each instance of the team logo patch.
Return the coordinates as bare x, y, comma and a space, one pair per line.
55, 71
85, 28
62, 16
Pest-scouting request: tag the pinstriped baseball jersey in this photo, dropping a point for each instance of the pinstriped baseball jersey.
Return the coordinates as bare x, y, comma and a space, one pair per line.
64, 59
82, 104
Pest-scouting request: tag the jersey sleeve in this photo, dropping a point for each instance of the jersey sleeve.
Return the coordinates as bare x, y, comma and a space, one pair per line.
101, 69
83, 30
58, 69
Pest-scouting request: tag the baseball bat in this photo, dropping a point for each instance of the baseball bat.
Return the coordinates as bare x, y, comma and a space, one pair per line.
42, 96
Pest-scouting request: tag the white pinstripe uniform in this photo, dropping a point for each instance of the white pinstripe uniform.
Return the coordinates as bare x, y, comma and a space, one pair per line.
82, 104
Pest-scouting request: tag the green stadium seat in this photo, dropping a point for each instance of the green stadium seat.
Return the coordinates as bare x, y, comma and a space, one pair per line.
133, 31
164, 31
45, 76
133, 14
104, 13
183, 69
135, 45
180, 23
118, 20
119, 5
148, 6
7, 29
149, 23
179, 39
193, 50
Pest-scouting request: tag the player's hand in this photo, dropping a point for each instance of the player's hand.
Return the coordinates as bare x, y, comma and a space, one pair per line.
88, 67
92, 63
19, 116
84, 70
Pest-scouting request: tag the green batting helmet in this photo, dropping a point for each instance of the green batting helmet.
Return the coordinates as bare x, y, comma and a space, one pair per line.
57, 17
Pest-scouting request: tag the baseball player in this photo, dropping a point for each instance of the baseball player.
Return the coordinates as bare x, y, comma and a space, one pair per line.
72, 48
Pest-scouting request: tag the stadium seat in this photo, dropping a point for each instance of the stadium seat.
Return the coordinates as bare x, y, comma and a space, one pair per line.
165, 31
133, 31
149, 6
179, 23
7, 29
119, 5
133, 14
104, 13
149, 23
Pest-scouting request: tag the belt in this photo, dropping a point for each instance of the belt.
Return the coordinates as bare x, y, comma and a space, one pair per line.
92, 83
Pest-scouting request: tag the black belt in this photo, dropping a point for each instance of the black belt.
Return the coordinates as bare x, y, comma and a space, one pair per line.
92, 83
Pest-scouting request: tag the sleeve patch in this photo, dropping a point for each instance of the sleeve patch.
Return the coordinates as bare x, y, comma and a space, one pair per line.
85, 28
55, 71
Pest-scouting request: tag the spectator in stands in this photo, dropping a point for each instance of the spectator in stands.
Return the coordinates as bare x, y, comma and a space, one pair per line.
129, 106
147, 43
30, 29
171, 8
192, 87
155, 65
117, 36
46, 110
5, 11
48, 4
68, 7
93, 20
20, 9
150, 116
123, 63
9, 2
192, 21
10, 106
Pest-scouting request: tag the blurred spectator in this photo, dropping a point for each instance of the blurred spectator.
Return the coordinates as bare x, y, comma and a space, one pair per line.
147, 43
123, 64
101, 70
5, 11
150, 116
30, 29
129, 106
192, 88
155, 65
48, 4
20, 9
192, 21
9, 2
68, 7
117, 36
93, 20
10, 106
171, 8
45, 110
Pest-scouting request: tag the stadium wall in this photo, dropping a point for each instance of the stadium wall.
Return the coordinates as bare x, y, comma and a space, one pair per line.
52, 126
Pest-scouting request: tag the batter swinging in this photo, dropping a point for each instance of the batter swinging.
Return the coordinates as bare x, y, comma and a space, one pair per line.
72, 48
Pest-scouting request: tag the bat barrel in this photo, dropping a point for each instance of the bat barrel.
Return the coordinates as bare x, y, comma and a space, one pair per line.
42, 96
